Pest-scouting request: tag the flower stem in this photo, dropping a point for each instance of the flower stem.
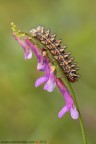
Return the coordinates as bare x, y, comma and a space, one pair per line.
80, 117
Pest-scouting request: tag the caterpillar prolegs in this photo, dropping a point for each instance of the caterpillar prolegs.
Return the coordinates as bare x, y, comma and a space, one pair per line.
58, 51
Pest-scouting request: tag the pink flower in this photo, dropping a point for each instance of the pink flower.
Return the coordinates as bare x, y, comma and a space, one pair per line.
26, 48
49, 77
39, 55
68, 99
51, 83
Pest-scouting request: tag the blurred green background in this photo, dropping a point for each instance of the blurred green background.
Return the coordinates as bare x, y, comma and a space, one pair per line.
29, 113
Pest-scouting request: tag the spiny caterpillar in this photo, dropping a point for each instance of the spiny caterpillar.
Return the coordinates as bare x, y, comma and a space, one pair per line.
57, 50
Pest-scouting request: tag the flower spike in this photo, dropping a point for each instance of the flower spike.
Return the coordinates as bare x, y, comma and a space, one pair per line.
44, 64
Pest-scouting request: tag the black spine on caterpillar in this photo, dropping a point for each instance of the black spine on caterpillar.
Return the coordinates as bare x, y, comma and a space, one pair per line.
58, 51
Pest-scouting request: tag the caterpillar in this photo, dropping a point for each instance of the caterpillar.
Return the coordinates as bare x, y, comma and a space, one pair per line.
57, 50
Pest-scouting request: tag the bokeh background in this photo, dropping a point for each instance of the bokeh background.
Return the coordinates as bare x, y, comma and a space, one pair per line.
29, 113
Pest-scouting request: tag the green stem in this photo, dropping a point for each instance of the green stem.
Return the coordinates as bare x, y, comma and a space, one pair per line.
80, 117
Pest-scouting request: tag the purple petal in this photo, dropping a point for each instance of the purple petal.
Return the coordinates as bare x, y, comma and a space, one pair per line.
40, 80
51, 83
41, 66
28, 55
63, 111
74, 113
63, 89
49, 86
39, 55
34, 48
68, 100
27, 50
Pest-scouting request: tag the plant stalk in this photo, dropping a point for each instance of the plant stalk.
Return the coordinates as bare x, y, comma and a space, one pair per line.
80, 117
